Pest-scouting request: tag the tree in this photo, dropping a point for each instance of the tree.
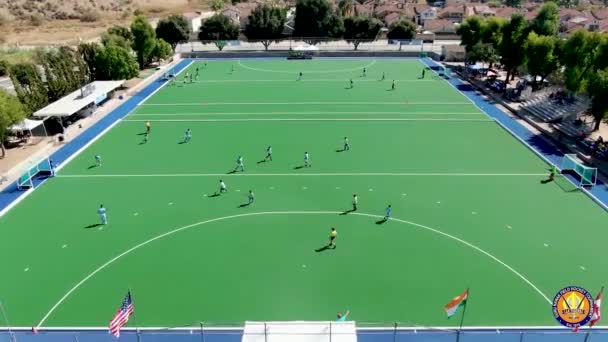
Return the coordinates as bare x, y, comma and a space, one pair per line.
112, 62
266, 24
598, 91
357, 29
579, 57
64, 70
109, 38
314, 20
121, 31
162, 50
143, 39
216, 5
29, 86
482, 52
567, 3
88, 52
218, 29
11, 112
513, 3
402, 29
540, 58
511, 48
470, 32
546, 22
347, 8
173, 30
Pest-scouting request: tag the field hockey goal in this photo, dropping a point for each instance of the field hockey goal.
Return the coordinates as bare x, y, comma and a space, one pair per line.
35, 171
586, 175
300, 331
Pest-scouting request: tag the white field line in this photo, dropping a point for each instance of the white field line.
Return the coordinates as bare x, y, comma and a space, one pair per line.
308, 119
331, 71
81, 149
176, 230
95, 138
305, 175
537, 152
313, 80
306, 103
300, 113
164, 84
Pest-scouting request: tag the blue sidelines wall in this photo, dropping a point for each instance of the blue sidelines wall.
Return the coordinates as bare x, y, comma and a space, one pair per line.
236, 335
537, 144
11, 193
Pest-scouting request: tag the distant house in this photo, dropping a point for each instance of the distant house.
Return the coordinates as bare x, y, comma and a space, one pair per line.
440, 26
391, 18
505, 12
484, 11
425, 13
454, 14
240, 12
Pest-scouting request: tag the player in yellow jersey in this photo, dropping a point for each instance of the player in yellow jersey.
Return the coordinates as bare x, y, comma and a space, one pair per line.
332, 238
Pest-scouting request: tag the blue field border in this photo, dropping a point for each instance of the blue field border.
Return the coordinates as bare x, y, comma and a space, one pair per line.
12, 193
540, 146
363, 335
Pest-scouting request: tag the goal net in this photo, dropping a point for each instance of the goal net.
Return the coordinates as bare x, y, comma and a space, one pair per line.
39, 170
300, 331
586, 174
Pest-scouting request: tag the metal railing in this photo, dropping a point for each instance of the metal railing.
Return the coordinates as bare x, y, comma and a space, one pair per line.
365, 331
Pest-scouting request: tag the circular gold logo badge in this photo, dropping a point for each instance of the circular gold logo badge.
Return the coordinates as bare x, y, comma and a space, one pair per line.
572, 306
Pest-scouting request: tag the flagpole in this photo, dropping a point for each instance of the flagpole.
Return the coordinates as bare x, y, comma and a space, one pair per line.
464, 311
134, 315
591, 327
8, 325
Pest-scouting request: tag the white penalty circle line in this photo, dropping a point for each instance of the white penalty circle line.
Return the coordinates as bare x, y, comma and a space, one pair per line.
307, 72
107, 263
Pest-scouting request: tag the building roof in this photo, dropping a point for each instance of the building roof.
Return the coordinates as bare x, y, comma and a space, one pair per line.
73, 102
391, 18
600, 14
506, 12
452, 9
439, 25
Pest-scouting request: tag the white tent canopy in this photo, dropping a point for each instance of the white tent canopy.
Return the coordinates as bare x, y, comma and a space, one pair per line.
306, 48
25, 125
74, 102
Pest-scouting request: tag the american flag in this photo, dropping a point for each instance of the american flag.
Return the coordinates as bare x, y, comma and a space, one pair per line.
122, 315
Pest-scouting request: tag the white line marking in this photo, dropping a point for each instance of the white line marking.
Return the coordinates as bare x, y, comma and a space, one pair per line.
100, 228
534, 150
430, 174
582, 268
170, 203
80, 150
371, 189
298, 113
438, 202
135, 214
474, 212
509, 227
312, 80
238, 190
128, 251
545, 244
239, 63
338, 188
468, 103
403, 194
309, 119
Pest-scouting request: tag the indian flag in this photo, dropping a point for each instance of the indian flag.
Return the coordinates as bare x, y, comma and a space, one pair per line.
455, 303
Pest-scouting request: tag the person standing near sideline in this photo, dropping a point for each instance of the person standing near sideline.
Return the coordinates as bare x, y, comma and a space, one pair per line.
355, 202
102, 215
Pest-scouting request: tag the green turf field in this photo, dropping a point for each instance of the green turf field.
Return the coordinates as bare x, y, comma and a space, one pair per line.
468, 209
